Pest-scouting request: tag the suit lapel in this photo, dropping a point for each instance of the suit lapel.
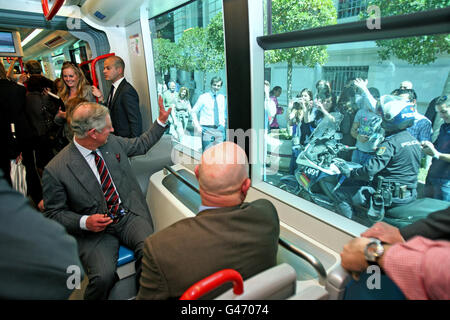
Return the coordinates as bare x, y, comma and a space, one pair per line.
83, 173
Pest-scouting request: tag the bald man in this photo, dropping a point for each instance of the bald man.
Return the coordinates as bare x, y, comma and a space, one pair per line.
226, 233
122, 100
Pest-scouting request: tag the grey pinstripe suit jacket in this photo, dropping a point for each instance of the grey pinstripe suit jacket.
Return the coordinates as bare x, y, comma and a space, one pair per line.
71, 190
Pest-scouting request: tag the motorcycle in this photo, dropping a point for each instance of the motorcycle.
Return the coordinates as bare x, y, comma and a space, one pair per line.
318, 178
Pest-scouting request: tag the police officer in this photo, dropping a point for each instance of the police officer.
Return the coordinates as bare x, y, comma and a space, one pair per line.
397, 159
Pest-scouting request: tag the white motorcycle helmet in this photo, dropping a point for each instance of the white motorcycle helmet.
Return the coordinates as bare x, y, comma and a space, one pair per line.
397, 113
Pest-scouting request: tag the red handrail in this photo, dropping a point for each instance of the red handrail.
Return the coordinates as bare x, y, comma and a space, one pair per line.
93, 62
213, 281
49, 14
84, 62
11, 60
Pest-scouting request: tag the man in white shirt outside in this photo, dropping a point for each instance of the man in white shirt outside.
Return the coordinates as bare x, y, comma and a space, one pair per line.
209, 115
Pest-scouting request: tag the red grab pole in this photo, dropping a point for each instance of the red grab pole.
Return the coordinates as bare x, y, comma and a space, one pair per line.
213, 281
49, 14
93, 62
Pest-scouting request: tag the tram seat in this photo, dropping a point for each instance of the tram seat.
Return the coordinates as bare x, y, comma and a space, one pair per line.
125, 262
125, 287
341, 286
276, 283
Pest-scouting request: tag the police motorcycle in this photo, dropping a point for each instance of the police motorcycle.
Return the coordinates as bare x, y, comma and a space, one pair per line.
317, 176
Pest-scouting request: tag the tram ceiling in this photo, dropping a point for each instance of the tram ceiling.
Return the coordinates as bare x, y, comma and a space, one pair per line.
24, 21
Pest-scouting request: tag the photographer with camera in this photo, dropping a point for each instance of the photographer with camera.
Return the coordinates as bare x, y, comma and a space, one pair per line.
322, 106
296, 126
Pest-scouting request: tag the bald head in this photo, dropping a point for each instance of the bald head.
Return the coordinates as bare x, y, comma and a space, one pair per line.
222, 174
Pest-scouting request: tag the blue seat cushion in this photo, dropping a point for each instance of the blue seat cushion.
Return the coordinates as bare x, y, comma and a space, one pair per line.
125, 255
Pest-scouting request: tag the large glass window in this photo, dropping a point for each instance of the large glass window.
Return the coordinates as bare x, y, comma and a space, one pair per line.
189, 60
323, 117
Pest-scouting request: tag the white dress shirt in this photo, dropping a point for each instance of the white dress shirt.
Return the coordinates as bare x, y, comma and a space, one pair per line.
116, 85
204, 107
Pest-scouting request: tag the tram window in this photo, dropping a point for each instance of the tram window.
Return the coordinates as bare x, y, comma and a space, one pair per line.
189, 61
293, 15
323, 98
58, 61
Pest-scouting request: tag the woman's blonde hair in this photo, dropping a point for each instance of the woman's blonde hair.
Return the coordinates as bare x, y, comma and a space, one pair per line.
82, 86
186, 97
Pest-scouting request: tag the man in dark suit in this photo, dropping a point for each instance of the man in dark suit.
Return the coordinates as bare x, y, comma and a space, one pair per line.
90, 189
12, 110
122, 100
226, 233
39, 260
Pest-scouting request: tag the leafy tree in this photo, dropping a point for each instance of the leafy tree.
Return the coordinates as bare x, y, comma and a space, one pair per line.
215, 33
202, 49
293, 15
414, 50
166, 55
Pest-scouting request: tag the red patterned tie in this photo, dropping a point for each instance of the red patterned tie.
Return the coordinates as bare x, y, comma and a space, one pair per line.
109, 191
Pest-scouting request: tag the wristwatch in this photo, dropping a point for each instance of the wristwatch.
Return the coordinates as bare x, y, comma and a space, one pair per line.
373, 251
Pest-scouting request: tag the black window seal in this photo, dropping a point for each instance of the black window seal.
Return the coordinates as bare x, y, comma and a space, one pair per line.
415, 24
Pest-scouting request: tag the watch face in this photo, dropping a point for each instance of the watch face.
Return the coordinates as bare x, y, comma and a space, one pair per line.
373, 250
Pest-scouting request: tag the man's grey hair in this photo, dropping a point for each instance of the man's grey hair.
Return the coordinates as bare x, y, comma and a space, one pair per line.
95, 118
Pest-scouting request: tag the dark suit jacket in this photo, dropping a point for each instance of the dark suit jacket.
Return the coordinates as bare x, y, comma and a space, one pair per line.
35, 251
125, 114
244, 238
12, 110
436, 226
71, 189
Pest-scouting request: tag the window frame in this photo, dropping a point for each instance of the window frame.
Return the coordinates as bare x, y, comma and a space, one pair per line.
408, 25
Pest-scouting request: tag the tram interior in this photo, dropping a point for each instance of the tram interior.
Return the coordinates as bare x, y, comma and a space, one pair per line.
154, 36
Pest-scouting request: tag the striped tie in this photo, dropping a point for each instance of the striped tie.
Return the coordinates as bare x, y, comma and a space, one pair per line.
109, 191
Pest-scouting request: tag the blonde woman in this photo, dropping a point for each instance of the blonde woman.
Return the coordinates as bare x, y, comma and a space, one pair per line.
182, 108
75, 84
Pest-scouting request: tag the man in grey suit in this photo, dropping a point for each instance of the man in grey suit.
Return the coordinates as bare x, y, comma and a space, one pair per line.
90, 189
226, 233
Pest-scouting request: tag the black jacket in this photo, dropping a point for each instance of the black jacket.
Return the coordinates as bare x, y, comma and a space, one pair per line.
435, 227
397, 160
124, 110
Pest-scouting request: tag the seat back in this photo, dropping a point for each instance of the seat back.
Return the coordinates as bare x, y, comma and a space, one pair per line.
125, 287
277, 283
